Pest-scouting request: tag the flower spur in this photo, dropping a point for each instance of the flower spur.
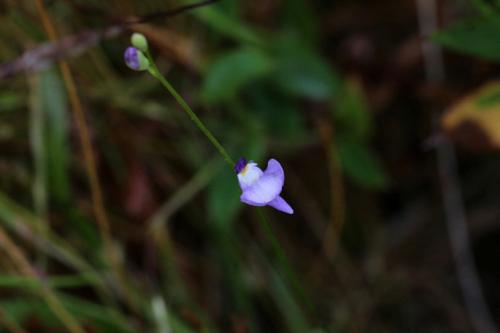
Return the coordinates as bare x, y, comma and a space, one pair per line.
262, 188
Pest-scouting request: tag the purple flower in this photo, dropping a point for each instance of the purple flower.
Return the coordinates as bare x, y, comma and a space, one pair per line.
262, 188
135, 59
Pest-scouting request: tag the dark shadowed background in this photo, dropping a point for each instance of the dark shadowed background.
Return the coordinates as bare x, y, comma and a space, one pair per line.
118, 215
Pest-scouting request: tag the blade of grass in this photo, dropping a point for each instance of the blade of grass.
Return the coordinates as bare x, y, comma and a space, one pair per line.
183, 195
24, 224
18, 257
337, 204
282, 258
88, 154
10, 323
37, 136
97, 317
226, 25
110, 253
283, 297
56, 282
55, 120
165, 321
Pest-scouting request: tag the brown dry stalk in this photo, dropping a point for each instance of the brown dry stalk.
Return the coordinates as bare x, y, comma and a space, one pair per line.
88, 154
23, 265
481, 317
90, 164
83, 130
337, 203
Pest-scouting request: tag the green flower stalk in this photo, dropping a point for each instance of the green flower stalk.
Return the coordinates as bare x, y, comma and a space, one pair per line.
156, 73
138, 57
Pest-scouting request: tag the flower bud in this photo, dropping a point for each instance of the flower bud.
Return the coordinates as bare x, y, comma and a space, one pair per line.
135, 59
139, 41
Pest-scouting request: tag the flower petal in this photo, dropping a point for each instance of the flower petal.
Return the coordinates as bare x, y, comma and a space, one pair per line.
267, 187
250, 174
275, 170
280, 204
246, 200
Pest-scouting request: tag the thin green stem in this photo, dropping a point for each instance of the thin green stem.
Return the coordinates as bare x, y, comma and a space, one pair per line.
156, 73
282, 258
275, 245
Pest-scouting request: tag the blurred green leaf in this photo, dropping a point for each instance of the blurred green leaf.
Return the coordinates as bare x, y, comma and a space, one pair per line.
96, 315
20, 220
54, 108
477, 37
488, 8
232, 71
351, 111
491, 99
38, 147
361, 164
61, 281
223, 198
277, 115
50, 131
290, 310
478, 109
293, 314
301, 71
103, 316
10, 101
227, 25
165, 321
27, 25
300, 18
255, 147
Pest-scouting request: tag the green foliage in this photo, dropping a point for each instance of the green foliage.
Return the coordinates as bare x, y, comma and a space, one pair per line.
301, 71
64, 281
294, 316
477, 37
227, 25
223, 199
262, 84
490, 99
232, 72
361, 164
351, 111
278, 116
28, 26
54, 107
300, 18
9, 101
106, 320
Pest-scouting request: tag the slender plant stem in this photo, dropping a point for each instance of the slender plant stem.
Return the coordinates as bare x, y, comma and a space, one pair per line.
481, 317
275, 245
337, 200
37, 136
156, 73
282, 258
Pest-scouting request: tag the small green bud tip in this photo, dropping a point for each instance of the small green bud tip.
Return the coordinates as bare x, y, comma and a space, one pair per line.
135, 59
139, 41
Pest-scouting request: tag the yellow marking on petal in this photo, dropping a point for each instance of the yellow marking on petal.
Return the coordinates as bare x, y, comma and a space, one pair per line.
244, 171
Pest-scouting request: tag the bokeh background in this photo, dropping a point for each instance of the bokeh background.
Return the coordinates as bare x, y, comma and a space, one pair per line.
117, 214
